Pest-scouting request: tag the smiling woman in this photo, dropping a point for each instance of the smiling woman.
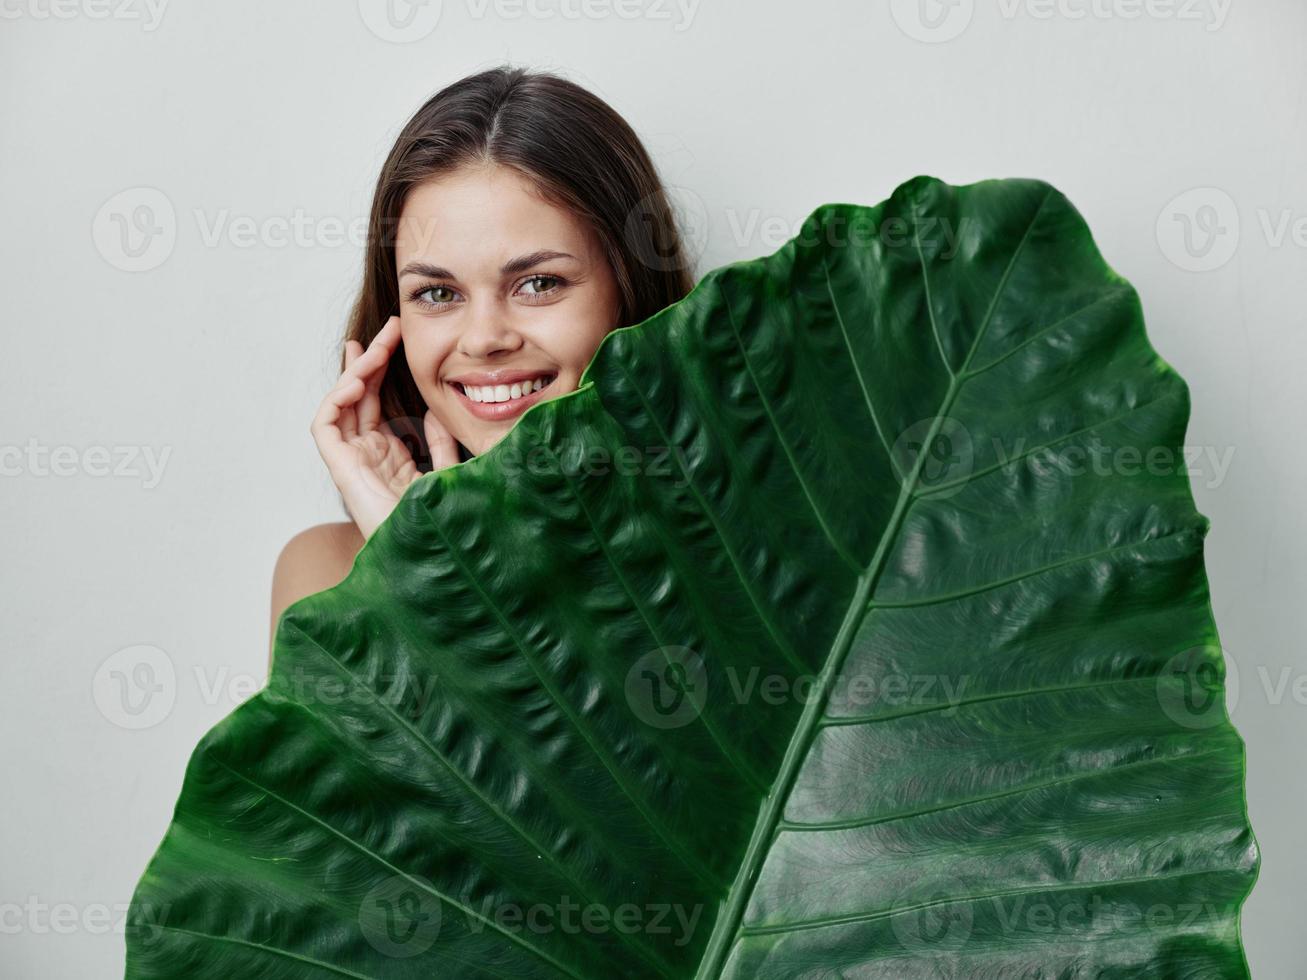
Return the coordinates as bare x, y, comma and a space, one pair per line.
489, 337
517, 220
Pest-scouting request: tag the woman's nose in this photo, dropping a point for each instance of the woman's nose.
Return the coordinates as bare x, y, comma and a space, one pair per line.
488, 332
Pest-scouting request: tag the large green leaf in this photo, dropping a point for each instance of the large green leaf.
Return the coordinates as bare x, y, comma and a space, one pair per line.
850, 620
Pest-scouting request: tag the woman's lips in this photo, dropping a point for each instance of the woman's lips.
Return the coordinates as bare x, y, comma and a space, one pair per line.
498, 411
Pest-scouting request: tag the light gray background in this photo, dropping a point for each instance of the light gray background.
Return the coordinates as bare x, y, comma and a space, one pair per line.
243, 117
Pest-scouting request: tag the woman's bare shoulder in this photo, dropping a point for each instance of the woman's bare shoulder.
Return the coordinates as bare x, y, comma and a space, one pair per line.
315, 559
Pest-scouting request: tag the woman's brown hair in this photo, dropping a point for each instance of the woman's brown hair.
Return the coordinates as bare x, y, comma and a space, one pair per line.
578, 152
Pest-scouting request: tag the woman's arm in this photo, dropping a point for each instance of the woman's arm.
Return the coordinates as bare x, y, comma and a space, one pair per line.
313, 560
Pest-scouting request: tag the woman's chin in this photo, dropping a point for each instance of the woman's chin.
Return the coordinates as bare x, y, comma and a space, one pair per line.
484, 441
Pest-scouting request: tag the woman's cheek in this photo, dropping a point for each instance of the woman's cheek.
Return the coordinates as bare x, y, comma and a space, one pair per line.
423, 363
569, 338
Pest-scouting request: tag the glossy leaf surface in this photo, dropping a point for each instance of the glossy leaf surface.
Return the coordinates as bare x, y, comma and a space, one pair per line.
850, 620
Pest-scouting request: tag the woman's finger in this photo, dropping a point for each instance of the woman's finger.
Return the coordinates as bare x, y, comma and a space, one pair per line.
441, 445
369, 406
370, 365
338, 407
347, 420
353, 402
325, 427
379, 350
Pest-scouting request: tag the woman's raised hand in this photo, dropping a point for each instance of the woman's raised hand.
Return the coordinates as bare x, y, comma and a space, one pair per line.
368, 462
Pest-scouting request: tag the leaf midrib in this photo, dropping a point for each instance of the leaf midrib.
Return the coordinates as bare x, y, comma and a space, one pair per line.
727, 927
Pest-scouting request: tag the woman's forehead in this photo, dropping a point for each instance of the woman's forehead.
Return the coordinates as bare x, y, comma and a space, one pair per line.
483, 215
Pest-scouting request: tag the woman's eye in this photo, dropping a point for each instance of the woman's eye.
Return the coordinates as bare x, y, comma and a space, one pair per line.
534, 286
539, 285
437, 295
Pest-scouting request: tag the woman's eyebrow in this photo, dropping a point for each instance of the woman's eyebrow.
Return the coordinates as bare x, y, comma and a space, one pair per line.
511, 267
524, 262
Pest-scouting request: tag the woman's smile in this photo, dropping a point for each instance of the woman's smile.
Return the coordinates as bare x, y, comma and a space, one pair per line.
502, 393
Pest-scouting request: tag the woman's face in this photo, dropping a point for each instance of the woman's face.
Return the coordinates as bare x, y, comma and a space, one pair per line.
504, 299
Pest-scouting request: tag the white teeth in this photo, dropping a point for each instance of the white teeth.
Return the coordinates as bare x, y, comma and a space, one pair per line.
503, 393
